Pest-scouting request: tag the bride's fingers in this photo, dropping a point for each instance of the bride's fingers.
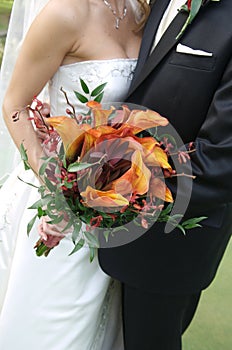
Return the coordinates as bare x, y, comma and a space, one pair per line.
52, 230
41, 232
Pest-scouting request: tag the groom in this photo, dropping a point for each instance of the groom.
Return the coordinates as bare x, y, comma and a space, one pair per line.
189, 81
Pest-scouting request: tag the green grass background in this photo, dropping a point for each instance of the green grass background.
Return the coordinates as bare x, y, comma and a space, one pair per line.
211, 328
5, 8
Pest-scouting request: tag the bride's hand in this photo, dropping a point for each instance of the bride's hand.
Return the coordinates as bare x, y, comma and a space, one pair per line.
51, 233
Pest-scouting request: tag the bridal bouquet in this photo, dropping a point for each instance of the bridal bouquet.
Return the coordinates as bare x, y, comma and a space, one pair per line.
105, 170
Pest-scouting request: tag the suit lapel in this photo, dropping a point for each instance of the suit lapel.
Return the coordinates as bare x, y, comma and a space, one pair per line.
163, 47
149, 32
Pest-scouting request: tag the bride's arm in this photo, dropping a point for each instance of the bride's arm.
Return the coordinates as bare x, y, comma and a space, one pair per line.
51, 37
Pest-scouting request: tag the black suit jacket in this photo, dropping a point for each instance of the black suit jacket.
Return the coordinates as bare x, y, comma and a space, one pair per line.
195, 94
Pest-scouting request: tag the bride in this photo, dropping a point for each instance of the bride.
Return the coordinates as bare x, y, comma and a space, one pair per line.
60, 302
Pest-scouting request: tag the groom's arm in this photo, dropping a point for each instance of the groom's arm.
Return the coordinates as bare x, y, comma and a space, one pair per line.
212, 160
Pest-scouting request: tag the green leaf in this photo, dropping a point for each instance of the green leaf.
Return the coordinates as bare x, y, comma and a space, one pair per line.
69, 224
40, 212
84, 86
59, 201
195, 7
81, 97
180, 227
92, 239
119, 229
43, 168
36, 205
27, 183
31, 224
23, 152
99, 97
107, 234
92, 253
76, 230
79, 166
50, 209
168, 209
189, 226
49, 185
78, 246
24, 157
56, 220
98, 90
193, 221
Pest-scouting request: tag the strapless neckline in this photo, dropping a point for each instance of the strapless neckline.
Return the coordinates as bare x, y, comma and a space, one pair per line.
116, 72
103, 61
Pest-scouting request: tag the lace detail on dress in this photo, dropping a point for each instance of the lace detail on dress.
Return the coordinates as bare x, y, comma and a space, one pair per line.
104, 316
117, 73
6, 241
111, 307
98, 71
11, 208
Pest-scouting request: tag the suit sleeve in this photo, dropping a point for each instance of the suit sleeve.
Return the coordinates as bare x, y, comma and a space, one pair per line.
212, 161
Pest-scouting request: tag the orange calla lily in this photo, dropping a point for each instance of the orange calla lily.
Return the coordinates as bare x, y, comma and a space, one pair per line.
154, 154
67, 128
95, 198
142, 120
101, 116
94, 104
138, 176
160, 190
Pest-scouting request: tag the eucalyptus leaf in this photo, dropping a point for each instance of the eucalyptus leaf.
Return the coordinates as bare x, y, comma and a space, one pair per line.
27, 183
78, 246
92, 253
36, 205
106, 234
180, 227
56, 220
43, 168
76, 230
31, 224
23, 152
92, 239
49, 185
79, 166
192, 221
24, 157
120, 228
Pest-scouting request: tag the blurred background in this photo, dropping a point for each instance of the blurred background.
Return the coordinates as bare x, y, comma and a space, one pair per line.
5, 9
212, 326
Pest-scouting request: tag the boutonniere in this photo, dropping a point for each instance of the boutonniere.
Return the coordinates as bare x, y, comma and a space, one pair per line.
192, 7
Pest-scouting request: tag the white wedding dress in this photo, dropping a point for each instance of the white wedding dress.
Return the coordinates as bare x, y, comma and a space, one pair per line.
60, 302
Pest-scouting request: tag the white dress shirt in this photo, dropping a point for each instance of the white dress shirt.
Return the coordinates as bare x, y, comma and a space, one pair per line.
167, 18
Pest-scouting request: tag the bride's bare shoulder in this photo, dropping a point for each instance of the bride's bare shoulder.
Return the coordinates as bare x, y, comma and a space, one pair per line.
70, 12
